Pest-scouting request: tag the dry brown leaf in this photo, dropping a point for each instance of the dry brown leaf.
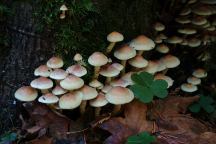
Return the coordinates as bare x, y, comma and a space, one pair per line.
42, 140
205, 138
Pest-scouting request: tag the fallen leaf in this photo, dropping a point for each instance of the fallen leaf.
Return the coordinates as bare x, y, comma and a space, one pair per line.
42, 140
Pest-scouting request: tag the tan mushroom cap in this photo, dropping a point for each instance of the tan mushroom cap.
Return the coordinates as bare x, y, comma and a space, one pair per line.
109, 71
119, 82
185, 11
138, 61
194, 42
168, 79
42, 83
186, 87
55, 62
115, 37
58, 74
170, 61
106, 88
58, 90
184, 42
152, 67
202, 10
162, 36
119, 95
162, 48
174, 40
97, 59
71, 82
77, 70
48, 98
95, 83
183, 20
199, 73
159, 26
70, 100
125, 53
117, 66
194, 80
187, 31
99, 101
192, 1
142, 43
26, 93
63, 8
127, 77
158, 40
88, 92
77, 57
43, 71
211, 28
161, 66
199, 20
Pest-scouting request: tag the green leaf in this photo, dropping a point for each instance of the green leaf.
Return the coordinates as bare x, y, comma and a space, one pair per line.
143, 93
137, 79
159, 88
9, 137
141, 138
205, 100
147, 78
195, 108
209, 108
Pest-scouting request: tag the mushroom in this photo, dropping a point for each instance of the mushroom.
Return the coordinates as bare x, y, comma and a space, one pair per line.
119, 82
113, 37
194, 42
88, 94
193, 80
48, 98
187, 87
183, 20
97, 59
168, 79
95, 84
185, 11
43, 71
142, 43
138, 62
71, 82
55, 62
170, 61
42, 83
124, 53
199, 73
152, 67
26, 94
159, 26
162, 48
202, 10
70, 100
118, 96
109, 71
98, 102
58, 74
106, 88
63, 8
79, 59
174, 40
127, 77
77, 70
199, 20
58, 90
187, 31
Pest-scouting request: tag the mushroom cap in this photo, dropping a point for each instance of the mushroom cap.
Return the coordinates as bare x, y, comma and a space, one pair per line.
55, 62
138, 61
115, 37
162, 36
63, 8
199, 73
97, 59
95, 83
168, 79
183, 20
199, 20
161, 66
77, 70
88, 92
174, 40
119, 82
211, 28
118, 66
185, 11
187, 31
192, 1
158, 40
184, 42
106, 88
43, 71
70, 100
127, 77
58, 74
119, 95
109, 71
159, 26
42, 83
99, 101
58, 90
26, 93
170, 61
152, 67
162, 48
186, 87
202, 10
125, 53
194, 42
142, 43
48, 98
77, 57
71, 82
193, 80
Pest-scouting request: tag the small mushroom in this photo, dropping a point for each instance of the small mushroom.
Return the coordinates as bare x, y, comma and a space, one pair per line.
55, 62
58, 74
193, 80
199, 20
95, 84
48, 98
170, 61
77, 70
42, 83
113, 38
194, 42
162, 48
159, 26
43, 71
58, 90
187, 87
199, 73
109, 71
138, 62
63, 8
168, 79
71, 82
26, 94
152, 67
79, 59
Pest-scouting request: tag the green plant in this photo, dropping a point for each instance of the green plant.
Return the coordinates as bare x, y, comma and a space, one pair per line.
141, 138
145, 87
8, 138
205, 103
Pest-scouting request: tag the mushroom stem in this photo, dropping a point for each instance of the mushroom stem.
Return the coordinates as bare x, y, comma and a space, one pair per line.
96, 72
140, 52
165, 71
116, 109
97, 111
110, 47
83, 106
108, 80
44, 91
123, 62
